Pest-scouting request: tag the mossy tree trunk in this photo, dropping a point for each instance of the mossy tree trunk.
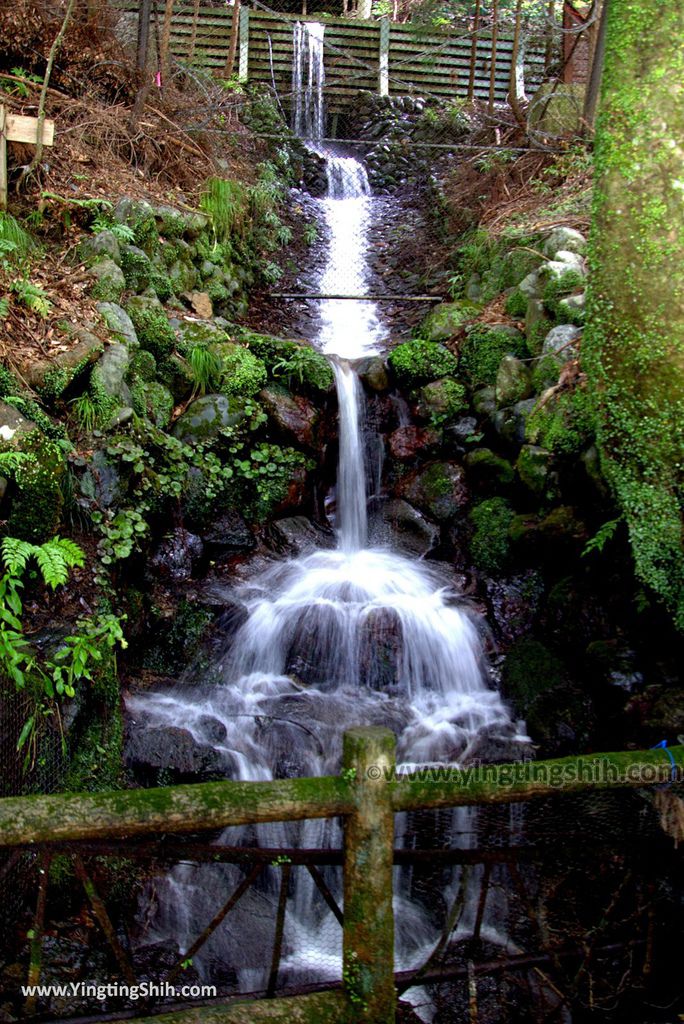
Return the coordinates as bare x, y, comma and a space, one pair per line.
634, 341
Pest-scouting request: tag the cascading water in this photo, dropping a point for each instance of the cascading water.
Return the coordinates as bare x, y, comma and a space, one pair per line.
355, 635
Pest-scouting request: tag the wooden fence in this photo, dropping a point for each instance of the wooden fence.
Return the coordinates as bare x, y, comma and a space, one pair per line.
379, 56
367, 795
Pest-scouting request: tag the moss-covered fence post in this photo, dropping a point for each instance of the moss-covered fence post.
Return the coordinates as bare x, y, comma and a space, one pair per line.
368, 948
633, 346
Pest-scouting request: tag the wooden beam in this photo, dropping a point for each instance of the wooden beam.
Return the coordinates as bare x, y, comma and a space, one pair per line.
243, 63
25, 129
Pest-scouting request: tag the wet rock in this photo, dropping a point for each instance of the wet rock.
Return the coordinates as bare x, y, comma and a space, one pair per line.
616, 664
294, 415
514, 604
229, 533
513, 381
296, 535
559, 343
109, 282
403, 528
489, 470
373, 373
439, 489
563, 532
206, 417
463, 432
484, 401
511, 423
177, 557
102, 482
380, 648
173, 750
405, 443
119, 323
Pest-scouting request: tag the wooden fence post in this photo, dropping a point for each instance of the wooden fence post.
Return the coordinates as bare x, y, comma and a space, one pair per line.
243, 65
383, 69
368, 944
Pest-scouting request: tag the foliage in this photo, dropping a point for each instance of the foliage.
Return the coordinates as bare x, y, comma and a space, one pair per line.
268, 469
206, 367
36, 508
483, 350
122, 232
501, 262
418, 361
32, 296
226, 202
489, 544
242, 373
12, 234
564, 424
85, 412
558, 288
298, 364
601, 537
153, 330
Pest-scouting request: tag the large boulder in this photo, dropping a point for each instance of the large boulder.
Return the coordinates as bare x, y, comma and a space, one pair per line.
439, 489
229, 532
119, 323
513, 381
565, 240
405, 443
447, 319
402, 527
295, 535
108, 280
174, 751
102, 245
294, 415
561, 343
206, 417
109, 374
177, 556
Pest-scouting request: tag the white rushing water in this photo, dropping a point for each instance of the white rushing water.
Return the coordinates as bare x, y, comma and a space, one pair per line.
342, 637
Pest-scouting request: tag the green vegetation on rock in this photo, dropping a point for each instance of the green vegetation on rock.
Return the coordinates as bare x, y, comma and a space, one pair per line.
417, 362
483, 350
489, 544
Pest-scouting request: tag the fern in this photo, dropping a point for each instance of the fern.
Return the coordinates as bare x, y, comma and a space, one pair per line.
55, 558
15, 554
32, 296
601, 537
4, 308
10, 462
12, 233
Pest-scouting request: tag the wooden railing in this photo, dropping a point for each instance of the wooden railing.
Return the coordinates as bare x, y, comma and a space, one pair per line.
366, 795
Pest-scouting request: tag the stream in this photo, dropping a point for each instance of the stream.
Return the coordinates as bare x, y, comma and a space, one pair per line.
381, 639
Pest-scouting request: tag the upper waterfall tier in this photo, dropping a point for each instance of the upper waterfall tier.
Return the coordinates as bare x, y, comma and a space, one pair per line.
308, 79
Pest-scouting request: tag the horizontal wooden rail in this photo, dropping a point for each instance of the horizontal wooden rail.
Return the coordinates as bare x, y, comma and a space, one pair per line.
214, 805
189, 808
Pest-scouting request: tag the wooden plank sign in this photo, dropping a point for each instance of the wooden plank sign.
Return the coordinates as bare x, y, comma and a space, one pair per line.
16, 128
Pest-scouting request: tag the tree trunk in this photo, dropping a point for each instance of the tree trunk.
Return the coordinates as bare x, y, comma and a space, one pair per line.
634, 341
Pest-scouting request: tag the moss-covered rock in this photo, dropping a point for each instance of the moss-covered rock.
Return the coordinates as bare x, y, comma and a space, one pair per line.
441, 401
559, 286
137, 268
37, 505
439, 489
488, 469
118, 323
489, 544
534, 466
108, 279
447, 319
152, 327
483, 350
206, 417
103, 245
564, 424
419, 361
243, 373
295, 363
513, 381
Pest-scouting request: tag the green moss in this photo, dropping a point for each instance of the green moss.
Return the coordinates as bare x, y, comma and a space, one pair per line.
417, 362
136, 268
96, 763
146, 234
153, 401
516, 305
545, 372
8, 383
143, 365
558, 288
36, 510
483, 350
161, 283
153, 330
32, 411
564, 425
243, 374
530, 670
171, 226
489, 544
180, 643
501, 262
300, 365
442, 401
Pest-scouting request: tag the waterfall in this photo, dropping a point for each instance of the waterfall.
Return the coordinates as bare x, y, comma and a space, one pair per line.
308, 79
356, 635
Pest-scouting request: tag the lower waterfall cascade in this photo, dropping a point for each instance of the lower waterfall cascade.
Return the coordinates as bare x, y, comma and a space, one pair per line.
356, 635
